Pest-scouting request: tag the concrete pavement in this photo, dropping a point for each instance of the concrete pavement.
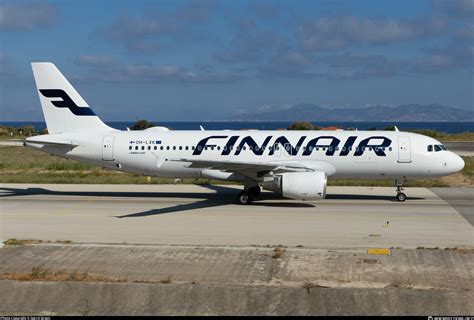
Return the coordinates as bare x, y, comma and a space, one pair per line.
355, 217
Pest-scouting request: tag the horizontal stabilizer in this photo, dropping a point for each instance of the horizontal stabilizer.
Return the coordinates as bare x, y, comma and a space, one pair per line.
47, 140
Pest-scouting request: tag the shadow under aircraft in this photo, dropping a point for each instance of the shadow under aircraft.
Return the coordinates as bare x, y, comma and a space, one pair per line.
222, 196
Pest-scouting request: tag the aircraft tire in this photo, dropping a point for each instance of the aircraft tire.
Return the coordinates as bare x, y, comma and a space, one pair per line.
401, 197
244, 198
254, 191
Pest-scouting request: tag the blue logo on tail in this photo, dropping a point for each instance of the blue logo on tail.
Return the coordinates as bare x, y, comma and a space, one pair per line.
66, 102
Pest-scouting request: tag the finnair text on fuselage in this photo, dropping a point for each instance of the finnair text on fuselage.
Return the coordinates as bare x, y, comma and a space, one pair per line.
330, 144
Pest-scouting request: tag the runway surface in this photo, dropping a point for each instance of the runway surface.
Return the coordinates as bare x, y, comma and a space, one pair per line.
206, 215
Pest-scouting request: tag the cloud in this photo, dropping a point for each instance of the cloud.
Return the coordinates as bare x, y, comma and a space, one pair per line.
455, 8
291, 64
272, 52
331, 33
95, 61
154, 31
27, 16
264, 10
465, 32
454, 55
251, 47
107, 70
196, 11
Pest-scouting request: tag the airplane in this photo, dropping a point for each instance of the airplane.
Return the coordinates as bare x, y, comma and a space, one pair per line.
296, 164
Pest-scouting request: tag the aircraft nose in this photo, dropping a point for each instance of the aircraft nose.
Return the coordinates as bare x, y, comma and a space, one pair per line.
456, 163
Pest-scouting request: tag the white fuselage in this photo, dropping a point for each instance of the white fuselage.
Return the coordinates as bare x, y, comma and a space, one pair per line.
340, 154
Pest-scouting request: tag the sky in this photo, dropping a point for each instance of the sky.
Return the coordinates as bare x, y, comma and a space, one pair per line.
200, 60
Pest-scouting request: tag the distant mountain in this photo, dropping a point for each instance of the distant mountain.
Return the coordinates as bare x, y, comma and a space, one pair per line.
403, 113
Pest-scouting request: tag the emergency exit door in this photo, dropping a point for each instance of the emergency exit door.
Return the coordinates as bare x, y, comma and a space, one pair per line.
108, 148
404, 150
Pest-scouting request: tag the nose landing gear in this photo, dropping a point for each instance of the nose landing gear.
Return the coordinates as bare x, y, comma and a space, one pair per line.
401, 197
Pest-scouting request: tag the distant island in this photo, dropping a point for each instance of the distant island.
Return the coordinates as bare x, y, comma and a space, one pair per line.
402, 113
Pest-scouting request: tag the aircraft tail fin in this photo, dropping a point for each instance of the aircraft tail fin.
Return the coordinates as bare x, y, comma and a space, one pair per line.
63, 108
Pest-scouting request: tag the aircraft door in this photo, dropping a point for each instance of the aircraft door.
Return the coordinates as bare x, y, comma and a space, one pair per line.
404, 150
108, 148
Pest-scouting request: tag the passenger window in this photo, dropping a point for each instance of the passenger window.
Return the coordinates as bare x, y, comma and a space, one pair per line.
390, 149
155, 148
130, 148
192, 147
149, 147
437, 148
161, 148
136, 148
167, 147
187, 148
430, 148
143, 147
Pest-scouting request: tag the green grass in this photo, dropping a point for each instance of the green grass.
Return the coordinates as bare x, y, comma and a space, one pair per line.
69, 165
442, 136
468, 166
25, 165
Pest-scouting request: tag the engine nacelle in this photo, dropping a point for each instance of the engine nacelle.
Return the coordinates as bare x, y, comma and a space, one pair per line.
304, 185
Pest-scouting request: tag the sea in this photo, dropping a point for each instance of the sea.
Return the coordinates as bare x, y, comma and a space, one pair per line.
448, 127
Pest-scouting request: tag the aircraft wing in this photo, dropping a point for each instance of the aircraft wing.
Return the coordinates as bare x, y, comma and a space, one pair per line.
245, 168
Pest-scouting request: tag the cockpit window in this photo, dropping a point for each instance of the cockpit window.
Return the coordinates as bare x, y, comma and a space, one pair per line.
443, 147
437, 148
430, 148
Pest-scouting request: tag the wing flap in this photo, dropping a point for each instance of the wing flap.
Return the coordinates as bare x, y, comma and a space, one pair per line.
244, 167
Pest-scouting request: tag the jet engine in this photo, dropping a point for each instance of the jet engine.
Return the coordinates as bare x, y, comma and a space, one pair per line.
300, 185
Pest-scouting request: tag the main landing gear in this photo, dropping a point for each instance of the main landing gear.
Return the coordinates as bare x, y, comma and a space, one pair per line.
246, 196
400, 195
